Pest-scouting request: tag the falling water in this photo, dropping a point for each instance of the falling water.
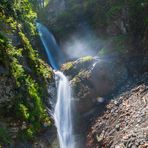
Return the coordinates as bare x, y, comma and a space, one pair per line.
51, 47
63, 108
63, 112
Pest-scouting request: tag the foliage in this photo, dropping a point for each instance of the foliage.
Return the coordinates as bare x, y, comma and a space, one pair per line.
100, 15
24, 13
88, 11
32, 55
31, 85
117, 45
67, 66
86, 59
32, 110
24, 111
3, 41
4, 136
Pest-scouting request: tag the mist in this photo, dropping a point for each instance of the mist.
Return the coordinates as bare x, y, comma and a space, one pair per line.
82, 43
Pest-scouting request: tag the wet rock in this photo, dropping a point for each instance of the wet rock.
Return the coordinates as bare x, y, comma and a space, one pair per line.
55, 144
106, 76
121, 145
92, 78
73, 68
3, 70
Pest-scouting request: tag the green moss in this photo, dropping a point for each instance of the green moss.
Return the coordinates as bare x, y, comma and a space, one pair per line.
24, 111
118, 45
23, 12
33, 110
27, 46
4, 136
67, 66
75, 81
3, 41
31, 85
82, 75
12, 23
29, 133
114, 10
103, 52
34, 61
44, 70
86, 59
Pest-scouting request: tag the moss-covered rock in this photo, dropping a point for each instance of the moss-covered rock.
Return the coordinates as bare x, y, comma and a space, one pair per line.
24, 75
73, 68
107, 76
92, 78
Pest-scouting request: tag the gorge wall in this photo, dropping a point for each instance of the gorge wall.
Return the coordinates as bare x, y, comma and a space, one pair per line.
120, 25
27, 82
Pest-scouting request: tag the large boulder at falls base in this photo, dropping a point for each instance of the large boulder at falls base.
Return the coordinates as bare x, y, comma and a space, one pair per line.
107, 76
92, 78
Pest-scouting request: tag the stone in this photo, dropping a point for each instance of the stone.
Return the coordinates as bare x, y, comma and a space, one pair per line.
107, 76
92, 78
7, 92
3, 70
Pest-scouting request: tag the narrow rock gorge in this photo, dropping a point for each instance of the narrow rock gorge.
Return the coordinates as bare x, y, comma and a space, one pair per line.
73, 74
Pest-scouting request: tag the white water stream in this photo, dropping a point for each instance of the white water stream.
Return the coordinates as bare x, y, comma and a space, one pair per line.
63, 112
63, 108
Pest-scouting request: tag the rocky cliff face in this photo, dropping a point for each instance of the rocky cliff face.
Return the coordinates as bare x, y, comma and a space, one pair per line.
93, 78
7, 93
123, 123
24, 77
121, 25
27, 82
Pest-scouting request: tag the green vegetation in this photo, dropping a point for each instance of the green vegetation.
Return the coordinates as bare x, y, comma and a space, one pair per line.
78, 69
28, 106
4, 136
118, 45
114, 21
86, 59
82, 75
19, 52
30, 73
67, 66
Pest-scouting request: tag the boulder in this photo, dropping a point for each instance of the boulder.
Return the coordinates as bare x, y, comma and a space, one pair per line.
93, 77
107, 76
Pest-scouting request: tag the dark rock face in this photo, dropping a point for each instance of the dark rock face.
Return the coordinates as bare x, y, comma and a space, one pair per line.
106, 76
92, 78
145, 60
78, 73
123, 124
7, 92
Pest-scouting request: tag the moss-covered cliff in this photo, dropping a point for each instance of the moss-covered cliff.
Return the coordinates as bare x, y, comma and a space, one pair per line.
24, 75
27, 82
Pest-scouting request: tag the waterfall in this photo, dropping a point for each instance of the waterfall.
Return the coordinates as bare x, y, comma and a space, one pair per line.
52, 49
63, 107
63, 112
